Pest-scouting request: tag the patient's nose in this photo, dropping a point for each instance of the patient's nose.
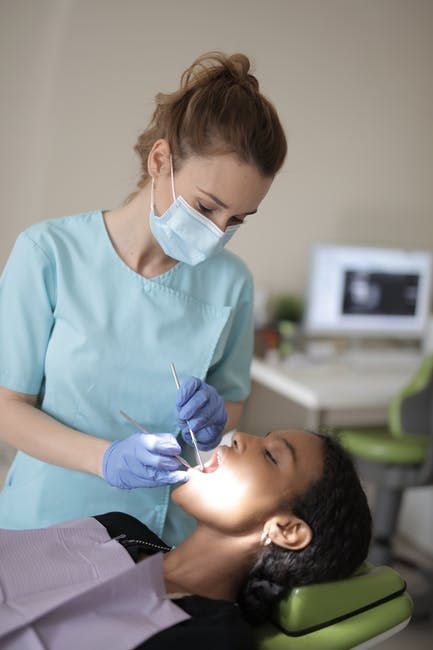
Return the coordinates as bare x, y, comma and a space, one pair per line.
238, 441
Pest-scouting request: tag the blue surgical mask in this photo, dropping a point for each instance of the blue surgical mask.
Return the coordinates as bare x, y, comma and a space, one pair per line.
183, 233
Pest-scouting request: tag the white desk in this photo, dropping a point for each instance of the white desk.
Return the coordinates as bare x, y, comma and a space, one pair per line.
323, 387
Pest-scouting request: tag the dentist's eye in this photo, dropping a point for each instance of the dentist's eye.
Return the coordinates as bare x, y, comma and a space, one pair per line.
203, 209
270, 457
235, 221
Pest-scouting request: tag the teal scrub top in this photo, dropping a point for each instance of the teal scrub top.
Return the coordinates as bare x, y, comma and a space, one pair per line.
91, 336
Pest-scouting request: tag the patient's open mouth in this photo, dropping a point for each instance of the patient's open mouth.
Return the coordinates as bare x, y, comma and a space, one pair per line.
214, 462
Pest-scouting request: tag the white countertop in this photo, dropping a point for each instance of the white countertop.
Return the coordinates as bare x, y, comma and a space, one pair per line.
336, 383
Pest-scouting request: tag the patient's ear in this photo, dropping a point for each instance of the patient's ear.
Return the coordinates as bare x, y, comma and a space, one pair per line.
288, 531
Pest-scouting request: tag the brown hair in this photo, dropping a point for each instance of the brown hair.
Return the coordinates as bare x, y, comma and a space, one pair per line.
217, 109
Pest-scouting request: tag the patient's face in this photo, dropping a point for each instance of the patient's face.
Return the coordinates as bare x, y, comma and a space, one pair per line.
245, 484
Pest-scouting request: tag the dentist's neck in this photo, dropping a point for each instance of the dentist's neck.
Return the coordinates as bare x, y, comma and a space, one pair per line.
129, 231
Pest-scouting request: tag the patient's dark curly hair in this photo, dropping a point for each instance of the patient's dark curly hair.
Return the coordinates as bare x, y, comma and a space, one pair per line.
335, 507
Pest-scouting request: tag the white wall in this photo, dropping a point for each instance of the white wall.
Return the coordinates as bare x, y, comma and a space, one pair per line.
352, 80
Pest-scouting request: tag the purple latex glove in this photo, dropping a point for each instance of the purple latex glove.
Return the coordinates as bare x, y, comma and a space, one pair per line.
143, 460
200, 407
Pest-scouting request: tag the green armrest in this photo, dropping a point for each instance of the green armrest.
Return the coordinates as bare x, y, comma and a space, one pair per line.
339, 615
396, 444
379, 446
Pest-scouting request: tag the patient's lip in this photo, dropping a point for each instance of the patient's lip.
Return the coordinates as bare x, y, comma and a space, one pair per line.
221, 453
216, 460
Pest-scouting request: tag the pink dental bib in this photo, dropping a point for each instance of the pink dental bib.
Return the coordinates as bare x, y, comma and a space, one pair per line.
72, 586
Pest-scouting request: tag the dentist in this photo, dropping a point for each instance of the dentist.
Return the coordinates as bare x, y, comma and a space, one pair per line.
94, 307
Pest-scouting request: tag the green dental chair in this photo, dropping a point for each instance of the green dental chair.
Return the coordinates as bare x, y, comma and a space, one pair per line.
358, 612
394, 459
373, 604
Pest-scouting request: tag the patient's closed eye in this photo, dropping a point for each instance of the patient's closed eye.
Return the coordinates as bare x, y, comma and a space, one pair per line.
270, 457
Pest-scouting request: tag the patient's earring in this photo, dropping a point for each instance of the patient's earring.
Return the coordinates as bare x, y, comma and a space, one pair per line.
265, 539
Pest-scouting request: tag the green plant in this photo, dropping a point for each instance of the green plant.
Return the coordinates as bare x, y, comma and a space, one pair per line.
287, 307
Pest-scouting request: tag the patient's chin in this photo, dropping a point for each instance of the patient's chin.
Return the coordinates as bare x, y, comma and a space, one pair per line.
184, 494
178, 492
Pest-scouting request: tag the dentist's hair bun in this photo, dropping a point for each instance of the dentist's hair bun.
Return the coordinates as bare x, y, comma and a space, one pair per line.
218, 108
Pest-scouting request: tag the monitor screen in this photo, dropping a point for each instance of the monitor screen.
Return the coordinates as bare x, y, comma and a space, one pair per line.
364, 291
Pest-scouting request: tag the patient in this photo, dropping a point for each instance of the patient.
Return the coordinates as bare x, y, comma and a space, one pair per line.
273, 512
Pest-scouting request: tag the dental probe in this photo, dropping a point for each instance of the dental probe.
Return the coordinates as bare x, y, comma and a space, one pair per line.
194, 441
143, 430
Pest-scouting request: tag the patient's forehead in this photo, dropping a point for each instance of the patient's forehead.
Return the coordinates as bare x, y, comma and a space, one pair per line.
309, 448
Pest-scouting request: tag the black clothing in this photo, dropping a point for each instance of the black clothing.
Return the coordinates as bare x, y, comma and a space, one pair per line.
214, 624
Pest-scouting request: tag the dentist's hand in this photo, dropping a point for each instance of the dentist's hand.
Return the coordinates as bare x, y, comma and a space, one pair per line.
143, 460
203, 408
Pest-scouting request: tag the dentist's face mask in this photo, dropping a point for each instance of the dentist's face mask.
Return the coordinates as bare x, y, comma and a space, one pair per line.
183, 233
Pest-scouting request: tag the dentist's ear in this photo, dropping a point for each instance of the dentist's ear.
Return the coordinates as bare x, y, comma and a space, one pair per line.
158, 160
288, 531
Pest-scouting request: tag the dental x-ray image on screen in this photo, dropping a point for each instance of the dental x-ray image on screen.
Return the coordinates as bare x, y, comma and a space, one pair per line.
366, 291
380, 293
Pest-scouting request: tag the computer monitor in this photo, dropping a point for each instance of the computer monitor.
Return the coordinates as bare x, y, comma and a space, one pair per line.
368, 292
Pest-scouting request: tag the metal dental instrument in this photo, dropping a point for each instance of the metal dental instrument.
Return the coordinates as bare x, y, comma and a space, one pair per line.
143, 430
194, 441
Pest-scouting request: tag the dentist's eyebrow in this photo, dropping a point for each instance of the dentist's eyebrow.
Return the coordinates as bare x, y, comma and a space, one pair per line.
288, 445
218, 201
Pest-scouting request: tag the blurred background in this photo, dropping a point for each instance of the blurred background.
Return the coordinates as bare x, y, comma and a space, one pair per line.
352, 82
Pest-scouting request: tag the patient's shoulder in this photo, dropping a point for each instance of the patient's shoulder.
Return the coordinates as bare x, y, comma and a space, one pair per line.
214, 624
121, 523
